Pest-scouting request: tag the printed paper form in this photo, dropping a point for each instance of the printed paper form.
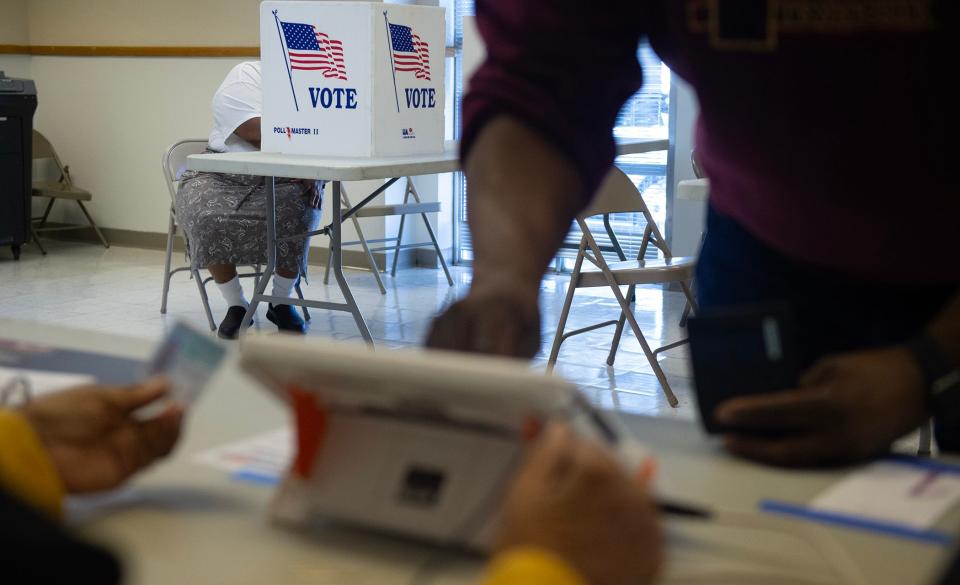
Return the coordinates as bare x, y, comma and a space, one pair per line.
40, 382
914, 495
267, 455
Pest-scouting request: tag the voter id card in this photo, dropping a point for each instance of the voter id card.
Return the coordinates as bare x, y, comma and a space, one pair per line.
188, 358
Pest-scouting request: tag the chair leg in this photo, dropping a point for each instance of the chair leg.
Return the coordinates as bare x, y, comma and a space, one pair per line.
46, 212
565, 312
171, 232
691, 300
410, 189
36, 240
326, 269
370, 259
93, 224
396, 250
651, 357
204, 299
615, 345
306, 311
257, 273
436, 246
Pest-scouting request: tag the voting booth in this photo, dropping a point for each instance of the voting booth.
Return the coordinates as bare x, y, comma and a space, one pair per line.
352, 78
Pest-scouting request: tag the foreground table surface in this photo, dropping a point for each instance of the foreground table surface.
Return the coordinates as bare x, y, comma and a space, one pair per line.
184, 523
360, 168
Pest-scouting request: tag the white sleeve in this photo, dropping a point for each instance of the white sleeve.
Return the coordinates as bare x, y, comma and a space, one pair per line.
239, 99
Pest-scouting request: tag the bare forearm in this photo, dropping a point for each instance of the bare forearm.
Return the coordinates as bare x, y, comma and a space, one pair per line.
250, 131
524, 194
945, 330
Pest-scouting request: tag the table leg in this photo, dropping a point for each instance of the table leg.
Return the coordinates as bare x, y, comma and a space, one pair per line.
336, 262
271, 220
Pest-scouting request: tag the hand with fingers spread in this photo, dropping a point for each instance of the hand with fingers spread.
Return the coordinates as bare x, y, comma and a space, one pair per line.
93, 438
572, 499
848, 407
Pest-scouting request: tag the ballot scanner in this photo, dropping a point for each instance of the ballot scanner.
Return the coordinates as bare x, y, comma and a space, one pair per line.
18, 103
420, 443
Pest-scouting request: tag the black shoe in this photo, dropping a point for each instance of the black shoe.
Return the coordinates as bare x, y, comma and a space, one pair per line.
286, 318
230, 326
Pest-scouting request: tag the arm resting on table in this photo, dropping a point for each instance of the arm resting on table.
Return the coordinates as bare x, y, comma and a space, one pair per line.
26, 469
530, 566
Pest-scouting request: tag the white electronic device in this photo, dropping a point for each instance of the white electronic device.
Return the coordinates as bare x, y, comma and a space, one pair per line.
421, 443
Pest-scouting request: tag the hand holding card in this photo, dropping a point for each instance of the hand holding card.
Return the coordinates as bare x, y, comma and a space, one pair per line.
188, 358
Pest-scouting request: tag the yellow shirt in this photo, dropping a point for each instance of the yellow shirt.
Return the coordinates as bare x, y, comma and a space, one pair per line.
530, 566
26, 470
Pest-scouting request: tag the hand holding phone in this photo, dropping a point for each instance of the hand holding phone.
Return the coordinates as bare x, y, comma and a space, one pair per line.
741, 351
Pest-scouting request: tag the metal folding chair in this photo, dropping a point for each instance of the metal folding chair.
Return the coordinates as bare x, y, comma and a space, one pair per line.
54, 190
416, 207
619, 195
174, 163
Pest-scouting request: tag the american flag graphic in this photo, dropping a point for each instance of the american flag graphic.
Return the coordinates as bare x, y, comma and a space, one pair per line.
409, 52
312, 50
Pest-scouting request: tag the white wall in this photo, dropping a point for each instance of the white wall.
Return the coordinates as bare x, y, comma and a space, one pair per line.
15, 65
111, 119
13, 22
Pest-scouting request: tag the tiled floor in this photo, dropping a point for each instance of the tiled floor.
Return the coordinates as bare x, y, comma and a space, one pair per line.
118, 290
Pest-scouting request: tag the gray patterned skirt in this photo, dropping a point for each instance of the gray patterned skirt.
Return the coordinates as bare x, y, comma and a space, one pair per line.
223, 216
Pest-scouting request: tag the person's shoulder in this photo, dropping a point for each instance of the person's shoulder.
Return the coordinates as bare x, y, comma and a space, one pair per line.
249, 72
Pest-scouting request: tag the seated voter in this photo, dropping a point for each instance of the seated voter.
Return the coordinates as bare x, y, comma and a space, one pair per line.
223, 215
78, 441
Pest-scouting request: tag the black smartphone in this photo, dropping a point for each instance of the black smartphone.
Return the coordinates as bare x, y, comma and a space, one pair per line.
739, 351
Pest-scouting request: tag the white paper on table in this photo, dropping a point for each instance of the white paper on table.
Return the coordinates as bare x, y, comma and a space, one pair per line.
266, 455
902, 493
42, 382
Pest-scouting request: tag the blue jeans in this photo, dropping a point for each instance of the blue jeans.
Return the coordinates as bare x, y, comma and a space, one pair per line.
834, 312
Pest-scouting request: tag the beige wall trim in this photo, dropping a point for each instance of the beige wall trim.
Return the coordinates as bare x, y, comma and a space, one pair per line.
14, 49
107, 51
158, 241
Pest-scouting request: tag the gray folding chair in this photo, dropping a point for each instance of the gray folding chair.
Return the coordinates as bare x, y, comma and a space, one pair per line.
55, 189
619, 195
416, 207
174, 164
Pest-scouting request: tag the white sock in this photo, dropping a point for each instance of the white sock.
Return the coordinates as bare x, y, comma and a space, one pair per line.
233, 293
283, 287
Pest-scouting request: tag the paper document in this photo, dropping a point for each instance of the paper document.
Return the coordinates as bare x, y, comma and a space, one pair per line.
39, 382
265, 456
914, 493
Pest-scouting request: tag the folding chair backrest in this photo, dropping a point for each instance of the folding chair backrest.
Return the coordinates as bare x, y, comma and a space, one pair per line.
175, 161
695, 163
46, 163
42, 147
617, 194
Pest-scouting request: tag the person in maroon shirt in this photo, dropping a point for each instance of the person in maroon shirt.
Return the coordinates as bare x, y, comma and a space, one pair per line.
826, 130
